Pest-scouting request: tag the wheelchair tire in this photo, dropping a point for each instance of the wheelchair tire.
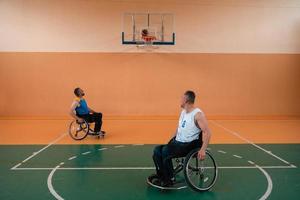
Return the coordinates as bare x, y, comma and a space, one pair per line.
78, 131
200, 175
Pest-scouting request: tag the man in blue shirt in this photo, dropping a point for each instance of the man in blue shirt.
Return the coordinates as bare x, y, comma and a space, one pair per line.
80, 111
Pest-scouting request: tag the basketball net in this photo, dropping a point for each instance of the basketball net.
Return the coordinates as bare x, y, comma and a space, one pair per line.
147, 43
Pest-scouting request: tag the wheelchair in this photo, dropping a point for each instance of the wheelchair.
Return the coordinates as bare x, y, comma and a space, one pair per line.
200, 175
79, 130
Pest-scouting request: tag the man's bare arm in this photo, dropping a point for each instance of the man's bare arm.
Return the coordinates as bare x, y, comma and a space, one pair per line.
73, 111
206, 133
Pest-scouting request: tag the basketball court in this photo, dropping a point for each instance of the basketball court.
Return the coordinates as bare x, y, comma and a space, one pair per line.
135, 60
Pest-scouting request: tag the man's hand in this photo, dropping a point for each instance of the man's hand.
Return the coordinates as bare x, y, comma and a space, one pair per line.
80, 120
201, 154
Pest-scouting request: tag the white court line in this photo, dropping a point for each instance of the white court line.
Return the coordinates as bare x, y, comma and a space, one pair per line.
17, 165
160, 187
73, 157
237, 156
102, 149
250, 142
222, 151
85, 153
50, 186
36, 153
270, 184
249, 161
268, 177
119, 146
149, 168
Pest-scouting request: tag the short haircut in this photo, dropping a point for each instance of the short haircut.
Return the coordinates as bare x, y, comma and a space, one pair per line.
76, 91
145, 32
191, 96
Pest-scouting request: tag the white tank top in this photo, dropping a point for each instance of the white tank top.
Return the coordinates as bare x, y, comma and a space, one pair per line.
187, 130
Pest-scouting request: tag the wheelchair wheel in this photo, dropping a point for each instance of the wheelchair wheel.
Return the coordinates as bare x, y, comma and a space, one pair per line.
78, 131
200, 175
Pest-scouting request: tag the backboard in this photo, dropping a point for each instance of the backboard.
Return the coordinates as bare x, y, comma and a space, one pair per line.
138, 26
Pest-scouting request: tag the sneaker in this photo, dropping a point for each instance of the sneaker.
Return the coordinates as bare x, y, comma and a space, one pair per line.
93, 133
153, 176
167, 183
98, 133
155, 179
173, 179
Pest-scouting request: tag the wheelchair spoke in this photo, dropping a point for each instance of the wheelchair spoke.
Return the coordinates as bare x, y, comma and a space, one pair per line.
196, 160
200, 174
191, 171
78, 130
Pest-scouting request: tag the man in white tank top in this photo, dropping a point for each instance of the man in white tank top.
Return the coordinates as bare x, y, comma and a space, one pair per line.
192, 132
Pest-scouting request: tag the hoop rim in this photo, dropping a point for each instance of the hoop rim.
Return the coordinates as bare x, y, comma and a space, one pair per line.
148, 38
130, 42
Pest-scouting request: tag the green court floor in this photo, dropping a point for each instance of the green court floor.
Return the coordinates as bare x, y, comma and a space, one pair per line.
120, 171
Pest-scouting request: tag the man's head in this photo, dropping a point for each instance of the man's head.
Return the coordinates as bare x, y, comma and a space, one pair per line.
188, 99
145, 32
78, 92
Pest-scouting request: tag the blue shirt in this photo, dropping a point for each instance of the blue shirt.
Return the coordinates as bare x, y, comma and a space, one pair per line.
82, 109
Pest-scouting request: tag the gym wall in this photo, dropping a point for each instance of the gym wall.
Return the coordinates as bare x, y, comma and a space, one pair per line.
241, 58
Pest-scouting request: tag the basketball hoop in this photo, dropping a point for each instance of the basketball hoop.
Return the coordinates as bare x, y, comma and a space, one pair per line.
148, 30
147, 42
148, 39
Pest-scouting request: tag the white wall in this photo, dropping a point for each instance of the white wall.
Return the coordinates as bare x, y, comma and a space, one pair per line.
215, 26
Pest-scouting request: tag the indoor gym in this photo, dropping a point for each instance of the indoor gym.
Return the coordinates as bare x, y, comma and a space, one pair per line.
240, 57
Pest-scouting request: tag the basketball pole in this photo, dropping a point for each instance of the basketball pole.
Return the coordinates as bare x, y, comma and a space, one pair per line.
162, 29
133, 27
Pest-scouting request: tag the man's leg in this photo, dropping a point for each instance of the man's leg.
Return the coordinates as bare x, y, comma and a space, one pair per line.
168, 169
98, 122
97, 118
162, 157
91, 118
157, 159
174, 149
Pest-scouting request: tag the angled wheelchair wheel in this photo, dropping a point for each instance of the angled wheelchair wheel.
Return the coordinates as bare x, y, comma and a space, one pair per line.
78, 130
200, 175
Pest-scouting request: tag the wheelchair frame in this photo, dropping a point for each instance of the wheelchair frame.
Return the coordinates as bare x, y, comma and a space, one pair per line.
183, 164
82, 127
